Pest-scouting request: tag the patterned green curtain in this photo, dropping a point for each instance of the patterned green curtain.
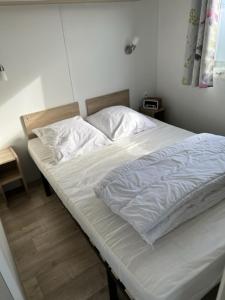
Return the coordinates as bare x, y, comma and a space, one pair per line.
201, 43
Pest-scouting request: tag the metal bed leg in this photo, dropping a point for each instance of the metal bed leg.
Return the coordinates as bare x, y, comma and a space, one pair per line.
47, 186
112, 285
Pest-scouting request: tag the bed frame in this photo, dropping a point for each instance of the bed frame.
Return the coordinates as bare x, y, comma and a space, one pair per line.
55, 114
46, 117
93, 105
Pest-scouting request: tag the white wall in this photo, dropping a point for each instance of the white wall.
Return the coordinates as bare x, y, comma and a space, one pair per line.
146, 27
33, 53
192, 108
96, 36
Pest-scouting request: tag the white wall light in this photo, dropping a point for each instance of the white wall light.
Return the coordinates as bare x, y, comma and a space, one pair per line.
129, 49
3, 75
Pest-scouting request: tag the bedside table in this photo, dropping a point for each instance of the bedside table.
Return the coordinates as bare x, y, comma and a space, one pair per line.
157, 114
10, 169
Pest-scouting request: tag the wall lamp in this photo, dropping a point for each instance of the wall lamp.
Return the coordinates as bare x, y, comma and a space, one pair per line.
129, 49
3, 75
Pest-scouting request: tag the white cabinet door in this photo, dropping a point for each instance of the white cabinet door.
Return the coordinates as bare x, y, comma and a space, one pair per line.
8, 269
4, 291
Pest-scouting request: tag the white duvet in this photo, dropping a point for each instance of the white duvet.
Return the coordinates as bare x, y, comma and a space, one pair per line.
159, 191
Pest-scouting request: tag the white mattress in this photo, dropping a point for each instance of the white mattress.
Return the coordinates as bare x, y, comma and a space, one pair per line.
184, 265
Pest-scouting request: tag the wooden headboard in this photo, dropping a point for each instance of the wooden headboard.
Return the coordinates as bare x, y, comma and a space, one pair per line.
119, 98
48, 116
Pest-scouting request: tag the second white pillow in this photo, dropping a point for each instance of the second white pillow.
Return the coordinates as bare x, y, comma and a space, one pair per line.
119, 121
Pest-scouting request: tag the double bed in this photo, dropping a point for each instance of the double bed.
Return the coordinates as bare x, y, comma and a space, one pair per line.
185, 264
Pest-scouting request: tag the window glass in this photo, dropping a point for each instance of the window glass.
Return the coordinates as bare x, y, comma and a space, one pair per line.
221, 42
220, 55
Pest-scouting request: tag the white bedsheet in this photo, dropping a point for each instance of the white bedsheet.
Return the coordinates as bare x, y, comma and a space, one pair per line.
184, 265
161, 190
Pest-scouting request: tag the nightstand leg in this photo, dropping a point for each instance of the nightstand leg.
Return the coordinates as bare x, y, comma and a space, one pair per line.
2, 192
25, 185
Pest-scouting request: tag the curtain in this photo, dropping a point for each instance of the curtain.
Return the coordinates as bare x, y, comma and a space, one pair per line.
201, 43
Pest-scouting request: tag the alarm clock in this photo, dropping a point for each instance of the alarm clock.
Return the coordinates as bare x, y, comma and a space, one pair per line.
152, 103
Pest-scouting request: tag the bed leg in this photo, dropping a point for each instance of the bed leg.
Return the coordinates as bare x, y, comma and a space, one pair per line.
47, 186
112, 285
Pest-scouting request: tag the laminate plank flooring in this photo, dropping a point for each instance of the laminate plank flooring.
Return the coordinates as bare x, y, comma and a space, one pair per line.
53, 258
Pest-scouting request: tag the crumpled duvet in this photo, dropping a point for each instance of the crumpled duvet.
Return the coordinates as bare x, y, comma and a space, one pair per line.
160, 191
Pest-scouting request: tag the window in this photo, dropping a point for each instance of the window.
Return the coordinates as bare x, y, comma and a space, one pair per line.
220, 55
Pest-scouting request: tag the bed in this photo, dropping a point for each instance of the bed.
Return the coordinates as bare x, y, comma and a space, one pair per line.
186, 264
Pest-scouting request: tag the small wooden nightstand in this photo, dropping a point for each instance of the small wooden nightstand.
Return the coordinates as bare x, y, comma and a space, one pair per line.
10, 169
157, 114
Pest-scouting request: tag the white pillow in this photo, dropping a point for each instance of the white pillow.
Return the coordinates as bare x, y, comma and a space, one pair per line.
119, 121
71, 137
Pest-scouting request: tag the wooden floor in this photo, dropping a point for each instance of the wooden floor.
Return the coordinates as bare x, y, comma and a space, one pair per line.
53, 258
